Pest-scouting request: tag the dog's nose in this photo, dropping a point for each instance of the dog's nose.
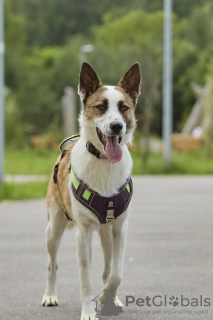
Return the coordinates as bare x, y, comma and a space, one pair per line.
116, 127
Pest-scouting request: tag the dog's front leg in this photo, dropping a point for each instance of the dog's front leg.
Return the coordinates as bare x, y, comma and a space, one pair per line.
106, 242
119, 233
84, 236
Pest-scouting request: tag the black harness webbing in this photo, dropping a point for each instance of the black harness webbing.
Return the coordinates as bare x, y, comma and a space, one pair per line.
55, 179
55, 173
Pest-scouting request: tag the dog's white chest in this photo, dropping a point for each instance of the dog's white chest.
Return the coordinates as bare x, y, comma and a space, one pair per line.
99, 174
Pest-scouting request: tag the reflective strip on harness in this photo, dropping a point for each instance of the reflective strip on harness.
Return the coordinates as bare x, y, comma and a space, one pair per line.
128, 187
107, 209
75, 181
86, 194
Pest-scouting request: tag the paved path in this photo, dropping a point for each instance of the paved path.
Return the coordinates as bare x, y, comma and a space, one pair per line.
169, 252
23, 178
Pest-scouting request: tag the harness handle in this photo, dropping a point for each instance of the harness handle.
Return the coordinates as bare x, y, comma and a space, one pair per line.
73, 137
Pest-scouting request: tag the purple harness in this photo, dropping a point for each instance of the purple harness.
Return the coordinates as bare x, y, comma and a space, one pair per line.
107, 209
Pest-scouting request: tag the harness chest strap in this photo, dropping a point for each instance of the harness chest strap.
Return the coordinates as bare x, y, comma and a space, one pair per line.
107, 209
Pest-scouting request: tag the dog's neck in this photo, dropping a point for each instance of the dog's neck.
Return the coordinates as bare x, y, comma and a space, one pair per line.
100, 175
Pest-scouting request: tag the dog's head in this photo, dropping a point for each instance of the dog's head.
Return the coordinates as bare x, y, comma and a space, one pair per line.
107, 118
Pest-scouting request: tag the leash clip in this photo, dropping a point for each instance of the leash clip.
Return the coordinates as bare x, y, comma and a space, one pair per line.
110, 217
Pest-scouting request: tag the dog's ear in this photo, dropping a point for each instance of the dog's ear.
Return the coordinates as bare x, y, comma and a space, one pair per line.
89, 81
131, 81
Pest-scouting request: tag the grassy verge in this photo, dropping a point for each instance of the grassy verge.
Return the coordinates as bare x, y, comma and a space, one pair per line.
32, 190
188, 162
34, 162
29, 161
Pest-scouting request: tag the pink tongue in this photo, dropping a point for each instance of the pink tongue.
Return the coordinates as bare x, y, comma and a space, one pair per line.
113, 149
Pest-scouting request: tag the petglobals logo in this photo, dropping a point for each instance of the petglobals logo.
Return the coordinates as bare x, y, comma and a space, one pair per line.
168, 301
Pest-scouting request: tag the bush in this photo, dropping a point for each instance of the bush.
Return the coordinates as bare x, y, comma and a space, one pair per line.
15, 136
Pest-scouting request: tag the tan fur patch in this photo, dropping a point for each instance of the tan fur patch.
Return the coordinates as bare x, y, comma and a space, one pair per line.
128, 115
128, 100
63, 178
95, 99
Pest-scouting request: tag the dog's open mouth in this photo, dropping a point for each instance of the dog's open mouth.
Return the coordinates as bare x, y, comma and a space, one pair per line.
111, 146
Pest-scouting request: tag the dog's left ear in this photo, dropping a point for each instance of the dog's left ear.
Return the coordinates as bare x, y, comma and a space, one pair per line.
89, 81
131, 81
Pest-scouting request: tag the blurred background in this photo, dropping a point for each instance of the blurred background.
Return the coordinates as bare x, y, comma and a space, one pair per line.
45, 43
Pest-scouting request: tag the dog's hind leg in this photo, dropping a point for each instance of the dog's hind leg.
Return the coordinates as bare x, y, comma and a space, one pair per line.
54, 231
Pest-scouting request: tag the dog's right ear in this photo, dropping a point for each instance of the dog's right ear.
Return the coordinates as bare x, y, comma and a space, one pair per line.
89, 81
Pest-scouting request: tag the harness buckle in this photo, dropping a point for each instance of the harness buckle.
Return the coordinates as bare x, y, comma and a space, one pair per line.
110, 217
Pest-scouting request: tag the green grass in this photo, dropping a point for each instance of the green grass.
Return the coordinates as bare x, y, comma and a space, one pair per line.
20, 191
34, 162
188, 162
29, 161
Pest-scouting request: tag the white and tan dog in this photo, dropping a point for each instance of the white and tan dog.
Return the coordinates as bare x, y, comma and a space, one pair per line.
107, 121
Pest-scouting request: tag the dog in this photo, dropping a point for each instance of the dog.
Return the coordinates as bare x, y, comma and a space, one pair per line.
101, 166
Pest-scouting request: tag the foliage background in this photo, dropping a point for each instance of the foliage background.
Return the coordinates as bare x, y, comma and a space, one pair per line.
42, 56
43, 39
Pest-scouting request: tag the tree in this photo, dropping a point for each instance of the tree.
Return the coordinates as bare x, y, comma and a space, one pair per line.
15, 40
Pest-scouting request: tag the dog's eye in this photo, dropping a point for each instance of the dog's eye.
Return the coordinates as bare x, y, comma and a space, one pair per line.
124, 108
100, 107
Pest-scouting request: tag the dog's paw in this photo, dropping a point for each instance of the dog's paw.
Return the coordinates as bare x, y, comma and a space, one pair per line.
88, 317
118, 303
102, 300
49, 301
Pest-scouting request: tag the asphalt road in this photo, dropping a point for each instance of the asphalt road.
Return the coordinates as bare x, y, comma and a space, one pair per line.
169, 252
